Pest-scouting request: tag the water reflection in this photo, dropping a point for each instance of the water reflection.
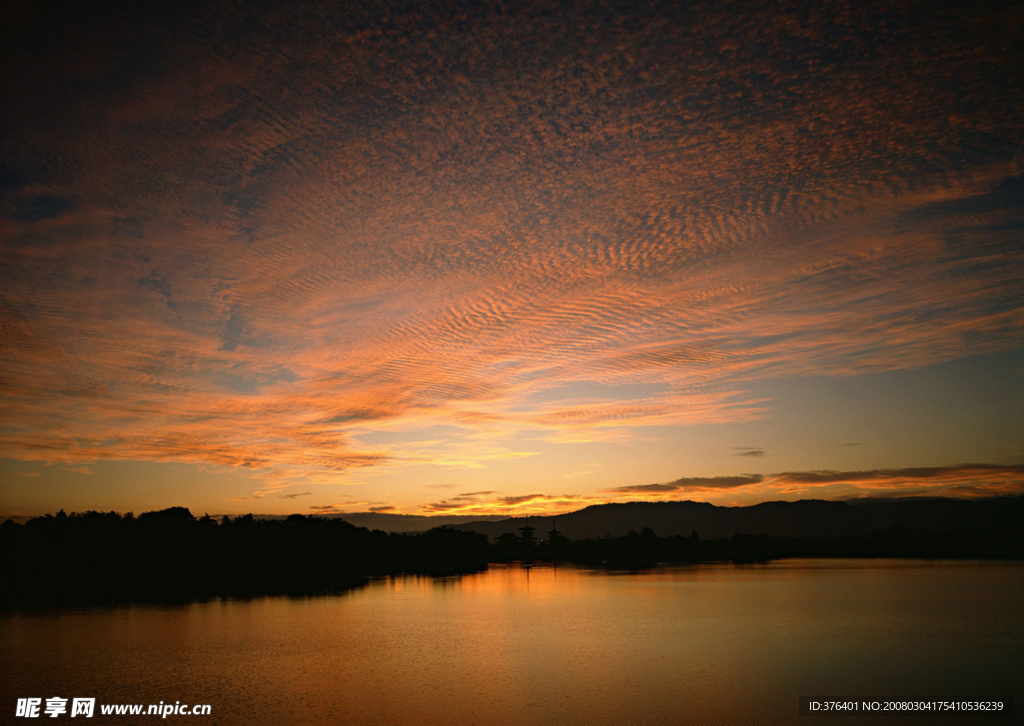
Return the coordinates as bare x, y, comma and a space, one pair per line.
695, 644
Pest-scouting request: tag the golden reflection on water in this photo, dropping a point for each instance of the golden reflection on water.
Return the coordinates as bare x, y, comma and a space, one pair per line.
701, 644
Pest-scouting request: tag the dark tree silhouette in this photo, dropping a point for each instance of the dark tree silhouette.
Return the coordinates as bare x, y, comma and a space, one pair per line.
67, 559
170, 555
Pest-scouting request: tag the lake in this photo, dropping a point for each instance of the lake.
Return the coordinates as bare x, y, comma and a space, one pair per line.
545, 645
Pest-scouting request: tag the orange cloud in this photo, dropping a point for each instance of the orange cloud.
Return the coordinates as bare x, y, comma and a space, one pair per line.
511, 505
270, 248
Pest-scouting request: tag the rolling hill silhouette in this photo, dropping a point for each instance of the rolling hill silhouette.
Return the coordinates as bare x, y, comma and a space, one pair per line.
806, 518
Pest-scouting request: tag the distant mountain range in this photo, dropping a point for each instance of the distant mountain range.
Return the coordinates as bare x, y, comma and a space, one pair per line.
806, 518
411, 522
402, 523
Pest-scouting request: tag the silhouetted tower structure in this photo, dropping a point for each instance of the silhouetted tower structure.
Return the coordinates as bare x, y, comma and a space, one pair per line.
557, 542
526, 539
527, 534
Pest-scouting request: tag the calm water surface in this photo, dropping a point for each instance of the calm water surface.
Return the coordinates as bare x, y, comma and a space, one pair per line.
702, 644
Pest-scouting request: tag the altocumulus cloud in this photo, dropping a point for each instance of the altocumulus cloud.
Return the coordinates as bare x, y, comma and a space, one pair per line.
315, 224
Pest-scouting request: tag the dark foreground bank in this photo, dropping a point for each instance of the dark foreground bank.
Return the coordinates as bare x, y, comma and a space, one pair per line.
98, 557
95, 557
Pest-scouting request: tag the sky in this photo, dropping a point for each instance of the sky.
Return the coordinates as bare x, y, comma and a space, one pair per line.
508, 257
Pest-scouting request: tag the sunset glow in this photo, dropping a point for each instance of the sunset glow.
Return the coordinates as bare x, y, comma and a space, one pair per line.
511, 259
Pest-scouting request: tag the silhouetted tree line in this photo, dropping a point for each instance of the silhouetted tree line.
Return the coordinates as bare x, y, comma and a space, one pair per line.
646, 549
171, 555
